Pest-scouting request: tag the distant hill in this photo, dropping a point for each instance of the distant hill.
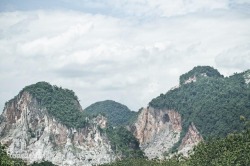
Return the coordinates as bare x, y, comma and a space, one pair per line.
117, 114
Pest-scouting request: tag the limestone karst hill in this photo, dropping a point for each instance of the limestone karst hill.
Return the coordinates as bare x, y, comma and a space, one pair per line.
45, 122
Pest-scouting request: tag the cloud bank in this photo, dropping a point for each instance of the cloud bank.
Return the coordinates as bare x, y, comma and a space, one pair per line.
128, 51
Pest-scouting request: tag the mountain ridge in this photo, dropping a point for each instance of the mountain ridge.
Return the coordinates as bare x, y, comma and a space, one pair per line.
205, 105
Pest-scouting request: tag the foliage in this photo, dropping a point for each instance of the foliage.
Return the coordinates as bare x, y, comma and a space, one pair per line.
146, 162
61, 103
232, 150
44, 163
5, 160
123, 142
212, 103
198, 71
117, 114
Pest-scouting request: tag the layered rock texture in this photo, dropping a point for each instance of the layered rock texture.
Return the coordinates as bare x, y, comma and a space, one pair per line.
31, 134
158, 131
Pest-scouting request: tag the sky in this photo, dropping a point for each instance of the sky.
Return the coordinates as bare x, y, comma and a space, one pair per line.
129, 51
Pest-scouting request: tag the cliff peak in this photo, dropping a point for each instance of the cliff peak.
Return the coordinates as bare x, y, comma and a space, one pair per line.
62, 104
197, 72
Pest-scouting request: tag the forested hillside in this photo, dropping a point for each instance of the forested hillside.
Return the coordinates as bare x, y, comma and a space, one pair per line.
123, 142
200, 71
61, 103
233, 150
213, 103
117, 114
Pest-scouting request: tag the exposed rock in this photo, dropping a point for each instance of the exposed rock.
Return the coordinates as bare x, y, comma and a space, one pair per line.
31, 134
191, 79
157, 131
175, 87
191, 139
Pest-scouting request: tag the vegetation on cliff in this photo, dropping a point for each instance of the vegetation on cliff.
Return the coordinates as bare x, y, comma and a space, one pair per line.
234, 149
43, 163
6, 160
213, 104
200, 71
123, 143
116, 113
145, 162
61, 103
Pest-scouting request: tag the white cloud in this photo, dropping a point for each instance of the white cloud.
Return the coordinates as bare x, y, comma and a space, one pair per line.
236, 58
125, 59
167, 7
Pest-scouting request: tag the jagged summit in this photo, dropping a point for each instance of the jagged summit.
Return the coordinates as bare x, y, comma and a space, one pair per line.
197, 72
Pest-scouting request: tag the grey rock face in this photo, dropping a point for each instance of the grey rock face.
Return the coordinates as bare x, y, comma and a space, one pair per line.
31, 134
158, 131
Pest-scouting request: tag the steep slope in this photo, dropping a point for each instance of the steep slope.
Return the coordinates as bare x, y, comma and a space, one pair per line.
36, 126
116, 113
231, 150
205, 105
157, 130
213, 104
60, 103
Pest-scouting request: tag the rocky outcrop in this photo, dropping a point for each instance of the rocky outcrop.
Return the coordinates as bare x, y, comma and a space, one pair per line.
190, 80
191, 139
31, 134
157, 131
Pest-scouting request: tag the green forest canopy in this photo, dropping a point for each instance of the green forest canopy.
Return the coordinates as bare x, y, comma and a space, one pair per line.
117, 114
214, 104
233, 150
200, 71
61, 103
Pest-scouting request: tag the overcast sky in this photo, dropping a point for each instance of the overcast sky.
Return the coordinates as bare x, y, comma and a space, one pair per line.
129, 51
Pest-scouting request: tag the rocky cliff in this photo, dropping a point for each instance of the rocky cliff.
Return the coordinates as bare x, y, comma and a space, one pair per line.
158, 131
191, 139
31, 134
